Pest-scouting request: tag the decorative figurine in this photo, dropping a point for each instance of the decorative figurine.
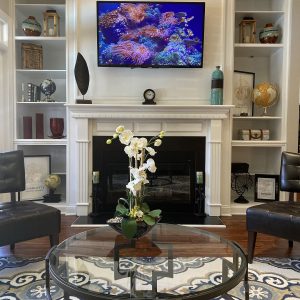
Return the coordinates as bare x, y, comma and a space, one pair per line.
82, 77
52, 182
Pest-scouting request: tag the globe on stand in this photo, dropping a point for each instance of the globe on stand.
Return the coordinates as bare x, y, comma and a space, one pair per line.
48, 87
265, 94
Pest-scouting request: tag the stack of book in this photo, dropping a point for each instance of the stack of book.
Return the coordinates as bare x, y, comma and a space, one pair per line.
31, 92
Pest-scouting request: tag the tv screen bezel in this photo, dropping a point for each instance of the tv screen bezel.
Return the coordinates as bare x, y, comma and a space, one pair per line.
152, 66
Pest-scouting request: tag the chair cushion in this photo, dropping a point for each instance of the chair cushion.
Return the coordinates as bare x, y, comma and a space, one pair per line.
280, 219
26, 220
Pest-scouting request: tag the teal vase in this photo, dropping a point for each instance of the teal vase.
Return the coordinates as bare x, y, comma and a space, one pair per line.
216, 97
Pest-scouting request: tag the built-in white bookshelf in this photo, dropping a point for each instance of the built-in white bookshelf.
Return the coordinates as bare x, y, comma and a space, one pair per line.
54, 49
269, 64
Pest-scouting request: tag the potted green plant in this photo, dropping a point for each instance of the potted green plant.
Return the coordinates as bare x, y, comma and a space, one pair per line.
133, 217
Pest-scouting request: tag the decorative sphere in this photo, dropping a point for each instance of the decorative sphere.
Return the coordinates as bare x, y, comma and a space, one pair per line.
48, 87
52, 181
265, 94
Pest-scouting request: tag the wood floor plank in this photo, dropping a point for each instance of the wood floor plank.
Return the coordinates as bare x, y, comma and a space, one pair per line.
235, 230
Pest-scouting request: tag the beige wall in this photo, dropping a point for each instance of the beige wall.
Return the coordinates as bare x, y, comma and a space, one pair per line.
5, 108
4, 5
6, 105
294, 79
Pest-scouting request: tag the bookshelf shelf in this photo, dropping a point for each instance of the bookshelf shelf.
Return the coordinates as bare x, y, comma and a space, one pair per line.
57, 103
38, 74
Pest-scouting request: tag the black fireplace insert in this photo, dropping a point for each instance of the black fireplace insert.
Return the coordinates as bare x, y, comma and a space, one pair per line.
172, 188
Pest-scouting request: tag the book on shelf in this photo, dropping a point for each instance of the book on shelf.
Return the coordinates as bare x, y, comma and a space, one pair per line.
31, 92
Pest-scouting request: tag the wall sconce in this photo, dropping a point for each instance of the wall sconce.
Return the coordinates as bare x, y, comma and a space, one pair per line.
247, 30
51, 23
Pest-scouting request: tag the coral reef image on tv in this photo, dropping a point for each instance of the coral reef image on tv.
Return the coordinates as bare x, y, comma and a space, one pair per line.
150, 34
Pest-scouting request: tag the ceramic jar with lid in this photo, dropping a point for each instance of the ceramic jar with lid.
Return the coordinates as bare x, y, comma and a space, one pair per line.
269, 34
31, 27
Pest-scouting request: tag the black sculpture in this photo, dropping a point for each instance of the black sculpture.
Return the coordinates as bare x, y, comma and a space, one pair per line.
241, 180
240, 183
82, 77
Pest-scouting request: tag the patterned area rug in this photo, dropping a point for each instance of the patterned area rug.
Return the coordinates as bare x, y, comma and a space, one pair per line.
270, 279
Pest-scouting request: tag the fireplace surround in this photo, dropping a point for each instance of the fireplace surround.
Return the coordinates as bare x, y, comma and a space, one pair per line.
209, 121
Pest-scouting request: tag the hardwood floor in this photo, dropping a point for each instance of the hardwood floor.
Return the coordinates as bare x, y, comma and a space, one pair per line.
235, 230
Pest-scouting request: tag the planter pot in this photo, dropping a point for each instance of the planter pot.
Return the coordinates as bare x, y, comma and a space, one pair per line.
142, 227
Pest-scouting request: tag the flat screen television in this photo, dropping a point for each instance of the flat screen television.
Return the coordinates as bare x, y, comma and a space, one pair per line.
150, 34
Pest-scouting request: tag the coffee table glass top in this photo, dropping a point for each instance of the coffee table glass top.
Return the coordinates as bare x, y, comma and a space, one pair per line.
171, 261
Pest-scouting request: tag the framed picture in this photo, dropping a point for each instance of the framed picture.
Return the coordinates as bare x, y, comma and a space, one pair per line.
266, 187
37, 169
243, 84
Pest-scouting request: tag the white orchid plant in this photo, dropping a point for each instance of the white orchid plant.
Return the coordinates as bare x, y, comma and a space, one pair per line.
140, 152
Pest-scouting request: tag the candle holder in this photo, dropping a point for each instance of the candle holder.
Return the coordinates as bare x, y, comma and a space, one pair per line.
51, 23
96, 195
247, 30
199, 204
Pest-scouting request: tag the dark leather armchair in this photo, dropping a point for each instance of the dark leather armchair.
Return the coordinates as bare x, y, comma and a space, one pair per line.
23, 220
280, 218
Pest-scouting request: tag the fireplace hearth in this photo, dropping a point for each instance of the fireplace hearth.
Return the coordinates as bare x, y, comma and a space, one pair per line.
185, 219
171, 188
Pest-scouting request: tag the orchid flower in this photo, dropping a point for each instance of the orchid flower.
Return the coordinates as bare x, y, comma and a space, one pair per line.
137, 149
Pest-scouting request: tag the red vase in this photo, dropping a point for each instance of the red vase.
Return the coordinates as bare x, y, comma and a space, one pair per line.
57, 127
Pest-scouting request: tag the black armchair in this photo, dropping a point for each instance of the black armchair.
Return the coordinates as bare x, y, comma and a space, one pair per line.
23, 220
280, 218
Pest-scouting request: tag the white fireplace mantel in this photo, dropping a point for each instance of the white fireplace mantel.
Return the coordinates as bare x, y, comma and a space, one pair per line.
88, 120
95, 111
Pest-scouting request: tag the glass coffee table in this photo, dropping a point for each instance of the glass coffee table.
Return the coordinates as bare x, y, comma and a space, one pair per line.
170, 262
